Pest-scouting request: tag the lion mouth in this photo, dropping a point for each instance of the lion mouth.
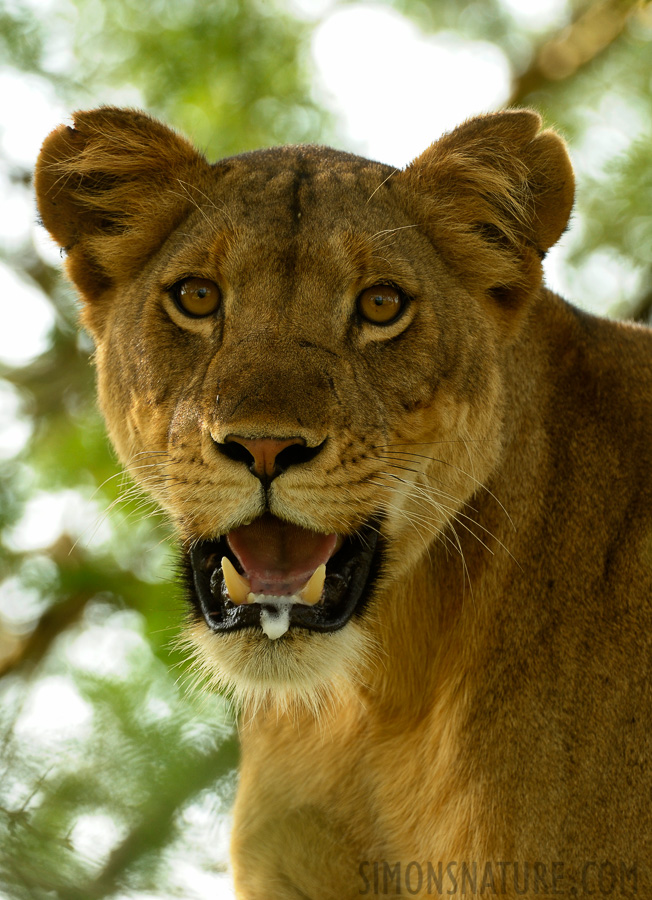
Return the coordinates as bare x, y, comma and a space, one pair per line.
275, 575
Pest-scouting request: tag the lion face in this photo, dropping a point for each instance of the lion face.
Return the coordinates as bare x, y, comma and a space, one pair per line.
294, 363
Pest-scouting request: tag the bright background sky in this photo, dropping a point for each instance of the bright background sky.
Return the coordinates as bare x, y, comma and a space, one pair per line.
394, 91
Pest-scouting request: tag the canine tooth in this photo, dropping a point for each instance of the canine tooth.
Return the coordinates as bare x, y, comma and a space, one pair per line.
311, 591
237, 586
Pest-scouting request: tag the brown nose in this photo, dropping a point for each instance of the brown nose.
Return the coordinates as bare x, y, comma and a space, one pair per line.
267, 458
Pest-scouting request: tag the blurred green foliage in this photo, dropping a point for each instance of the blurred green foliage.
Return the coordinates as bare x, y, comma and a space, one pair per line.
116, 780
234, 74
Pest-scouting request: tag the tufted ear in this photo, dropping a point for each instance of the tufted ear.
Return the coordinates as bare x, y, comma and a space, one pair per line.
111, 189
496, 194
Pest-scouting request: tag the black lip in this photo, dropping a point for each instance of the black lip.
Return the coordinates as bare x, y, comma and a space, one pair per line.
350, 574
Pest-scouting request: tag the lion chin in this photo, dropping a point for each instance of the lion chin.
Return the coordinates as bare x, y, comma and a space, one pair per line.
412, 488
304, 671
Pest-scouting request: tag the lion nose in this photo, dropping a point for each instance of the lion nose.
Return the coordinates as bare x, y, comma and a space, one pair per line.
267, 457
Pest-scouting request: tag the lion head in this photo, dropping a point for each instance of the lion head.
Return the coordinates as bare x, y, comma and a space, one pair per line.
298, 355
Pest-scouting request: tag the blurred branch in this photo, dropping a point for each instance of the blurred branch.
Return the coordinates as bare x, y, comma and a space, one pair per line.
54, 621
158, 818
594, 28
642, 311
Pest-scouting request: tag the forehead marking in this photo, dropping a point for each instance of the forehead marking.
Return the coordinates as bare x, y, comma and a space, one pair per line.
303, 175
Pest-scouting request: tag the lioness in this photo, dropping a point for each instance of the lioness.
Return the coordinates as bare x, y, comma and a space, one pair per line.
413, 490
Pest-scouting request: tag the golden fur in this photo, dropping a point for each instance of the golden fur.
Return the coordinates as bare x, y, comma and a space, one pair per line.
492, 703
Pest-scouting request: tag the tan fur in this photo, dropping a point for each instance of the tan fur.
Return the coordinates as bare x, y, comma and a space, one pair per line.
492, 703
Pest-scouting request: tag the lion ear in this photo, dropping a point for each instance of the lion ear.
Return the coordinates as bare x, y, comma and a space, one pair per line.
498, 194
110, 189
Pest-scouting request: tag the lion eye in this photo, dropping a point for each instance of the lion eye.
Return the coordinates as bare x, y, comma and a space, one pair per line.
197, 297
380, 304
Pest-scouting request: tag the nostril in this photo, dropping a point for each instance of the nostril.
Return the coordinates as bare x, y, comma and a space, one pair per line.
236, 451
267, 458
296, 454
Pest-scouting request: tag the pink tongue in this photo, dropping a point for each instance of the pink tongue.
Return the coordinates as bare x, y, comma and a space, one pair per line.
277, 557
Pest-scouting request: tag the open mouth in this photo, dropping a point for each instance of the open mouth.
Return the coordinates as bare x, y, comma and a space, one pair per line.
275, 575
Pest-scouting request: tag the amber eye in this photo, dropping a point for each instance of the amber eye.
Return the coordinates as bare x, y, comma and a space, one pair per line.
380, 304
197, 297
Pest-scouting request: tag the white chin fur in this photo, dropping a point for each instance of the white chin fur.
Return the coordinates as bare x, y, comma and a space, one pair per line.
303, 669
